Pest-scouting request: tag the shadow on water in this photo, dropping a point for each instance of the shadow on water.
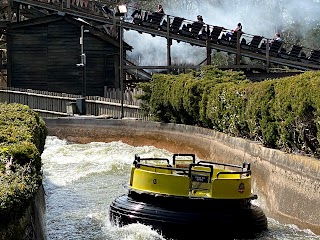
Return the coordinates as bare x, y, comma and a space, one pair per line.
81, 181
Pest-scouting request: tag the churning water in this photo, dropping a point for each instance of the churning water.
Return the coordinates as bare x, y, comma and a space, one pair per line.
81, 180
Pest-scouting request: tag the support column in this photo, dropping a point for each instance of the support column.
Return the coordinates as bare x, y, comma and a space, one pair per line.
268, 55
1, 60
68, 4
169, 43
10, 5
208, 47
18, 13
121, 67
238, 55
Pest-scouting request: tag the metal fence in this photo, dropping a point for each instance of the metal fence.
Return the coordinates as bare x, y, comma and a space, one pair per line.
51, 104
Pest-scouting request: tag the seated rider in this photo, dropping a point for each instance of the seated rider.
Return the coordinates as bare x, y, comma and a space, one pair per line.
200, 18
276, 38
237, 29
160, 9
136, 13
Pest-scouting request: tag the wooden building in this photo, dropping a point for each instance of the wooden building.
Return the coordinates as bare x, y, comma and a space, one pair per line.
44, 53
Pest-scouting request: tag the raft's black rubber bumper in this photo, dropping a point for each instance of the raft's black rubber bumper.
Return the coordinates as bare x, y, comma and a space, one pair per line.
196, 219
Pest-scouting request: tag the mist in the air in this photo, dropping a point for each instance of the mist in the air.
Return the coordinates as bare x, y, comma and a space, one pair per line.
258, 17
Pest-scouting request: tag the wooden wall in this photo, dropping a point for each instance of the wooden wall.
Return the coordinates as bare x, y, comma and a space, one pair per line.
63, 54
44, 55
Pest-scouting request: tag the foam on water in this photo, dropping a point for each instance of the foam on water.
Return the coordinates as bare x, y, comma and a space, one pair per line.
74, 161
134, 231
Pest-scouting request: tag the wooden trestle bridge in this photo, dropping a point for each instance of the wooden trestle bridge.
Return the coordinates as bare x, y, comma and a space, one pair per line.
171, 28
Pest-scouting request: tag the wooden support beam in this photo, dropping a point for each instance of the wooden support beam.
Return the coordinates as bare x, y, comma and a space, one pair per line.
18, 15
208, 47
10, 10
169, 43
268, 55
238, 55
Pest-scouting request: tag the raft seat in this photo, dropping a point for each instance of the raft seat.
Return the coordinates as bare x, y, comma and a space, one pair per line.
182, 163
181, 169
215, 34
200, 180
175, 25
253, 45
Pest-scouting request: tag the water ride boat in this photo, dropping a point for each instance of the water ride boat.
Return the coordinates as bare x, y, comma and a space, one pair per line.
185, 199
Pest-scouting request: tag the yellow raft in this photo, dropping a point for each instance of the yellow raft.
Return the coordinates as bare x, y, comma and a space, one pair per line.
181, 194
187, 178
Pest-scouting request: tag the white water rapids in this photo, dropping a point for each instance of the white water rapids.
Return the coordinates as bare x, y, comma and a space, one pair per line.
81, 180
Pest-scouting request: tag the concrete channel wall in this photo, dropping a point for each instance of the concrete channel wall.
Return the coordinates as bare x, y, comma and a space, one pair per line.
288, 186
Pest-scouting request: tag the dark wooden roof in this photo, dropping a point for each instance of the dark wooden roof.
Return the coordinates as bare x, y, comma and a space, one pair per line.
79, 22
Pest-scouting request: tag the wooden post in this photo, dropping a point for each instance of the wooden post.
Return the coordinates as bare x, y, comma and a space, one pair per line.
9, 59
10, 10
208, 43
1, 65
268, 55
238, 55
18, 13
68, 4
121, 67
169, 43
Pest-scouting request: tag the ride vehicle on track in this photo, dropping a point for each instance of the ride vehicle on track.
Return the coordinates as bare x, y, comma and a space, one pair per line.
187, 199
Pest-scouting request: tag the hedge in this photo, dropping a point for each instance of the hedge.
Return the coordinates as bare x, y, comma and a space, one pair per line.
22, 140
280, 113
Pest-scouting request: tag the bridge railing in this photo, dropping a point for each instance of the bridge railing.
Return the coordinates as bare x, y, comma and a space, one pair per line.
51, 104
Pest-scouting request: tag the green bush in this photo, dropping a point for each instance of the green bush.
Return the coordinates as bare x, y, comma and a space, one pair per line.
260, 113
281, 113
297, 106
20, 122
22, 141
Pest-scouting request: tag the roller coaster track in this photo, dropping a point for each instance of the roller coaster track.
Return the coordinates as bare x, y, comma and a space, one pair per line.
93, 13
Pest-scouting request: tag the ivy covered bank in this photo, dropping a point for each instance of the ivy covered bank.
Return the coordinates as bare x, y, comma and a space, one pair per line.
22, 140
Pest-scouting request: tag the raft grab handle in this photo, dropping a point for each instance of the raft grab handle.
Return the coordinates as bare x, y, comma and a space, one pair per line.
221, 164
137, 159
183, 155
245, 166
168, 167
